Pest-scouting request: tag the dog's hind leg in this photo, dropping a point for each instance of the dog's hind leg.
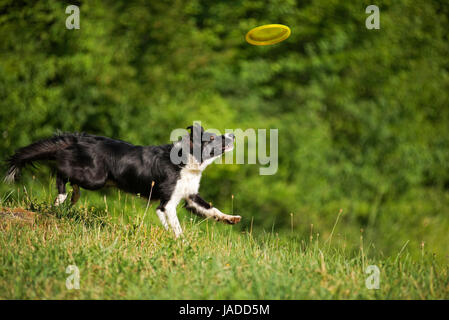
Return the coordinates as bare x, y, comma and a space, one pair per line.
60, 185
201, 207
75, 194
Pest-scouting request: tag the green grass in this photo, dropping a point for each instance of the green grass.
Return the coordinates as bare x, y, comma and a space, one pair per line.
124, 254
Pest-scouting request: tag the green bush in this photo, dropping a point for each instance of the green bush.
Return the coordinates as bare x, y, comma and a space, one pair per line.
362, 114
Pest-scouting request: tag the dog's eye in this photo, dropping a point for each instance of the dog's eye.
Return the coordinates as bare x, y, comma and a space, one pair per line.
212, 138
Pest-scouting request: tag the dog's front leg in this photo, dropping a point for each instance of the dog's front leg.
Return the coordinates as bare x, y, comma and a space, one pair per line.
198, 205
170, 211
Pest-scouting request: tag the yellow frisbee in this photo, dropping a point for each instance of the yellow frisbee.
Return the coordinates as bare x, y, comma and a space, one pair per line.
268, 34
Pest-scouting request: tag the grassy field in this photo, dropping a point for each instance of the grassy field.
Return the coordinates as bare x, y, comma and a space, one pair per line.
122, 252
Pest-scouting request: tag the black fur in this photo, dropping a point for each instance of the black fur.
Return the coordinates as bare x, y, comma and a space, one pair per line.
92, 162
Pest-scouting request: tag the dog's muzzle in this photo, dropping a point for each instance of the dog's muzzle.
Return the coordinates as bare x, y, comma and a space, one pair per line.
228, 142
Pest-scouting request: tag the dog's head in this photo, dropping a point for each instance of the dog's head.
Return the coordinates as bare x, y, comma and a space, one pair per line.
206, 146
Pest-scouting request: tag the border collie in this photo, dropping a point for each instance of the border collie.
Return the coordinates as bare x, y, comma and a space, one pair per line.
93, 162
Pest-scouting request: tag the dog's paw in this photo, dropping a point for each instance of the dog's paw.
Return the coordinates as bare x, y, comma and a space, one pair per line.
233, 219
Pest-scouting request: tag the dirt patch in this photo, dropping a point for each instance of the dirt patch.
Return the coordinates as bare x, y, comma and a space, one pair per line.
17, 214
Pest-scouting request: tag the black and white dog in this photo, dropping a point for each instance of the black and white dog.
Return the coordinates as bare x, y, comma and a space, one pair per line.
170, 172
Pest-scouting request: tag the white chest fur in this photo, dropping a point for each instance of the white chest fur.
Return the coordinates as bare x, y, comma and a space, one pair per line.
188, 183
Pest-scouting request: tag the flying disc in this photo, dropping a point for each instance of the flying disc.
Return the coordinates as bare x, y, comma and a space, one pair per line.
267, 34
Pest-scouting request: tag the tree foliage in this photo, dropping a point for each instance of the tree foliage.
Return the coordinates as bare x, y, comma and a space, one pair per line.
362, 114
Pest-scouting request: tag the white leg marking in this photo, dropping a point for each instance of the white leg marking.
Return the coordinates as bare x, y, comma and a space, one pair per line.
172, 218
60, 198
213, 213
163, 218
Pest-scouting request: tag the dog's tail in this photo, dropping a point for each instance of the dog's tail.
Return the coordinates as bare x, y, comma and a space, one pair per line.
40, 150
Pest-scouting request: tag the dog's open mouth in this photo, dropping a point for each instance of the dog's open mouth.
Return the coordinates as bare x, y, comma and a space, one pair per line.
227, 148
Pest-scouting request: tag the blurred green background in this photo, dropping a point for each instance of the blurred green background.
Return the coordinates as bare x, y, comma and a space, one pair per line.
363, 115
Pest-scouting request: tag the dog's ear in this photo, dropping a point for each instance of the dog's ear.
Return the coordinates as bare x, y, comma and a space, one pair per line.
197, 128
